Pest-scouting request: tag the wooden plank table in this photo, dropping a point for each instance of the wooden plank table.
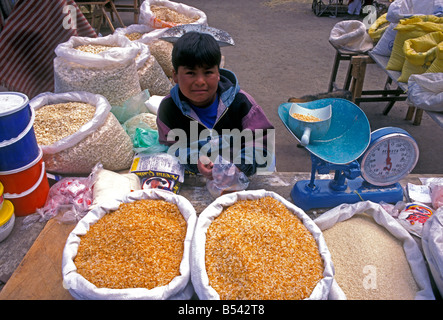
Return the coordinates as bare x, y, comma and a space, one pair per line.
39, 276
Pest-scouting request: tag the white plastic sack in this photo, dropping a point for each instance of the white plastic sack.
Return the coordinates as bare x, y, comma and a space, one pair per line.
111, 73
179, 288
123, 53
386, 43
400, 9
412, 251
199, 275
148, 18
351, 35
101, 140
432, 242
425, 91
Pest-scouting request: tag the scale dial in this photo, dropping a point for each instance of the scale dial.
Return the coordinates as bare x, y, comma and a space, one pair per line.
391, 156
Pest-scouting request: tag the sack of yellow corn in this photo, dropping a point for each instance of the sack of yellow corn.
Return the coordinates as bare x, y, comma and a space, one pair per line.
377, 29
408, 29
419, 54
437, 64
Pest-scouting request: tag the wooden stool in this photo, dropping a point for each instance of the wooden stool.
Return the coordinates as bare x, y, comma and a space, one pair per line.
135, 7
100, 6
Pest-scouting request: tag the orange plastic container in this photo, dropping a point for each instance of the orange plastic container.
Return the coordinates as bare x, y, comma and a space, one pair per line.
31, 199
24, 178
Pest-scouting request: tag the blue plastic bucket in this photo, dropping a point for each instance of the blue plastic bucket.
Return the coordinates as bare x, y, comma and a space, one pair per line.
15, 114
20, 150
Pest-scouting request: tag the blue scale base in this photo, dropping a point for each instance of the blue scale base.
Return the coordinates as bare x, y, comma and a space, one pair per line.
324, 196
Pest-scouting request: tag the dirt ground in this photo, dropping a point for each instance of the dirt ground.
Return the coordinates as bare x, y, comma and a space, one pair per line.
282, 50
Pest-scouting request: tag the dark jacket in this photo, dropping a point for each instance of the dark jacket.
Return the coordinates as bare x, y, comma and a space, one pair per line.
236, 110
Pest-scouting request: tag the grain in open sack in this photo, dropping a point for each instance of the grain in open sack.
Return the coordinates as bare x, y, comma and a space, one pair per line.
258, 249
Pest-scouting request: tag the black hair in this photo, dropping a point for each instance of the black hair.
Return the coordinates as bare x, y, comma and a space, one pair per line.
195, 49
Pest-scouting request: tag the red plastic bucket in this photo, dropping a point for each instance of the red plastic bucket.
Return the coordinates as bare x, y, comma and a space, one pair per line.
24, 178
30, 200
20, 150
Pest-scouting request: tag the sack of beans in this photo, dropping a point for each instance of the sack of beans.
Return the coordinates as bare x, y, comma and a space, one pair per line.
166, 14
76, 130
374, 257
104, 66
252, 245
133, 248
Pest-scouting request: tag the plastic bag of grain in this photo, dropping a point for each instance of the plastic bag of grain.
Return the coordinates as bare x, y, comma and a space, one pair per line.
432, 242
161, 271
410, 28
104, 65
166, 14
377, 29
76, 130
150, 73
260, 236
373, 255
419, 54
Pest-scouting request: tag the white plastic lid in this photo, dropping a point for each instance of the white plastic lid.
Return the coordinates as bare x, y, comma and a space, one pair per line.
11, 102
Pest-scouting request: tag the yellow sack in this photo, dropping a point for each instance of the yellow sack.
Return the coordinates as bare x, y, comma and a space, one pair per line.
408, 29
377, 29
437, 65
419, 54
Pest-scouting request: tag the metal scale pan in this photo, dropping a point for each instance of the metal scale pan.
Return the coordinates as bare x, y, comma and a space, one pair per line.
341, 149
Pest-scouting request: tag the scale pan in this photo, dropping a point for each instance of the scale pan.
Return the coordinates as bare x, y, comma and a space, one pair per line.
348, 136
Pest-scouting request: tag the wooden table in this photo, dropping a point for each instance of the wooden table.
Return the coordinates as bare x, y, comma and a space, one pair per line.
39, 277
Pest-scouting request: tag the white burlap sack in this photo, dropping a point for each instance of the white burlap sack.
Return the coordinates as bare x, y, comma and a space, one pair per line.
199, 275
179, 288
425, 91
412, 251
432, 242
351, 35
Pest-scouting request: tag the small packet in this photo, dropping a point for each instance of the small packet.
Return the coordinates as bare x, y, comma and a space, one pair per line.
414, 216
158, 171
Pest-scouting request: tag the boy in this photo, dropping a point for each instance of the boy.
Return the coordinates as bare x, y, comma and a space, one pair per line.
207, 101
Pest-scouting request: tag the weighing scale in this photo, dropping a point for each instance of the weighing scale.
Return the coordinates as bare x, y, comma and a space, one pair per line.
368, 166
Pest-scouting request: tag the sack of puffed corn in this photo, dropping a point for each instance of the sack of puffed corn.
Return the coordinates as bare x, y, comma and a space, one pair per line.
150, 73
76, 130
142, 251
104, 66
166, 14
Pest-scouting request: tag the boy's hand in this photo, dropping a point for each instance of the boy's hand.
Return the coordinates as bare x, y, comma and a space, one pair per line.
205, 166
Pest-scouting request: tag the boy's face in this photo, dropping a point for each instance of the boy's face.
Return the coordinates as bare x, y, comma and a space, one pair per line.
198, 84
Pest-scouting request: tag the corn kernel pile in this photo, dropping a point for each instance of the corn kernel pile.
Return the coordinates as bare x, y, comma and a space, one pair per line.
140, 245
305, 117
93, 48
258, 249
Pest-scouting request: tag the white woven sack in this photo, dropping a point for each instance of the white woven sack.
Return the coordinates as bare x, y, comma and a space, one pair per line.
351, 35
386, 42
400, 9
148, 18
199, 275
432, 242
412, 251
425, 91
179, 288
